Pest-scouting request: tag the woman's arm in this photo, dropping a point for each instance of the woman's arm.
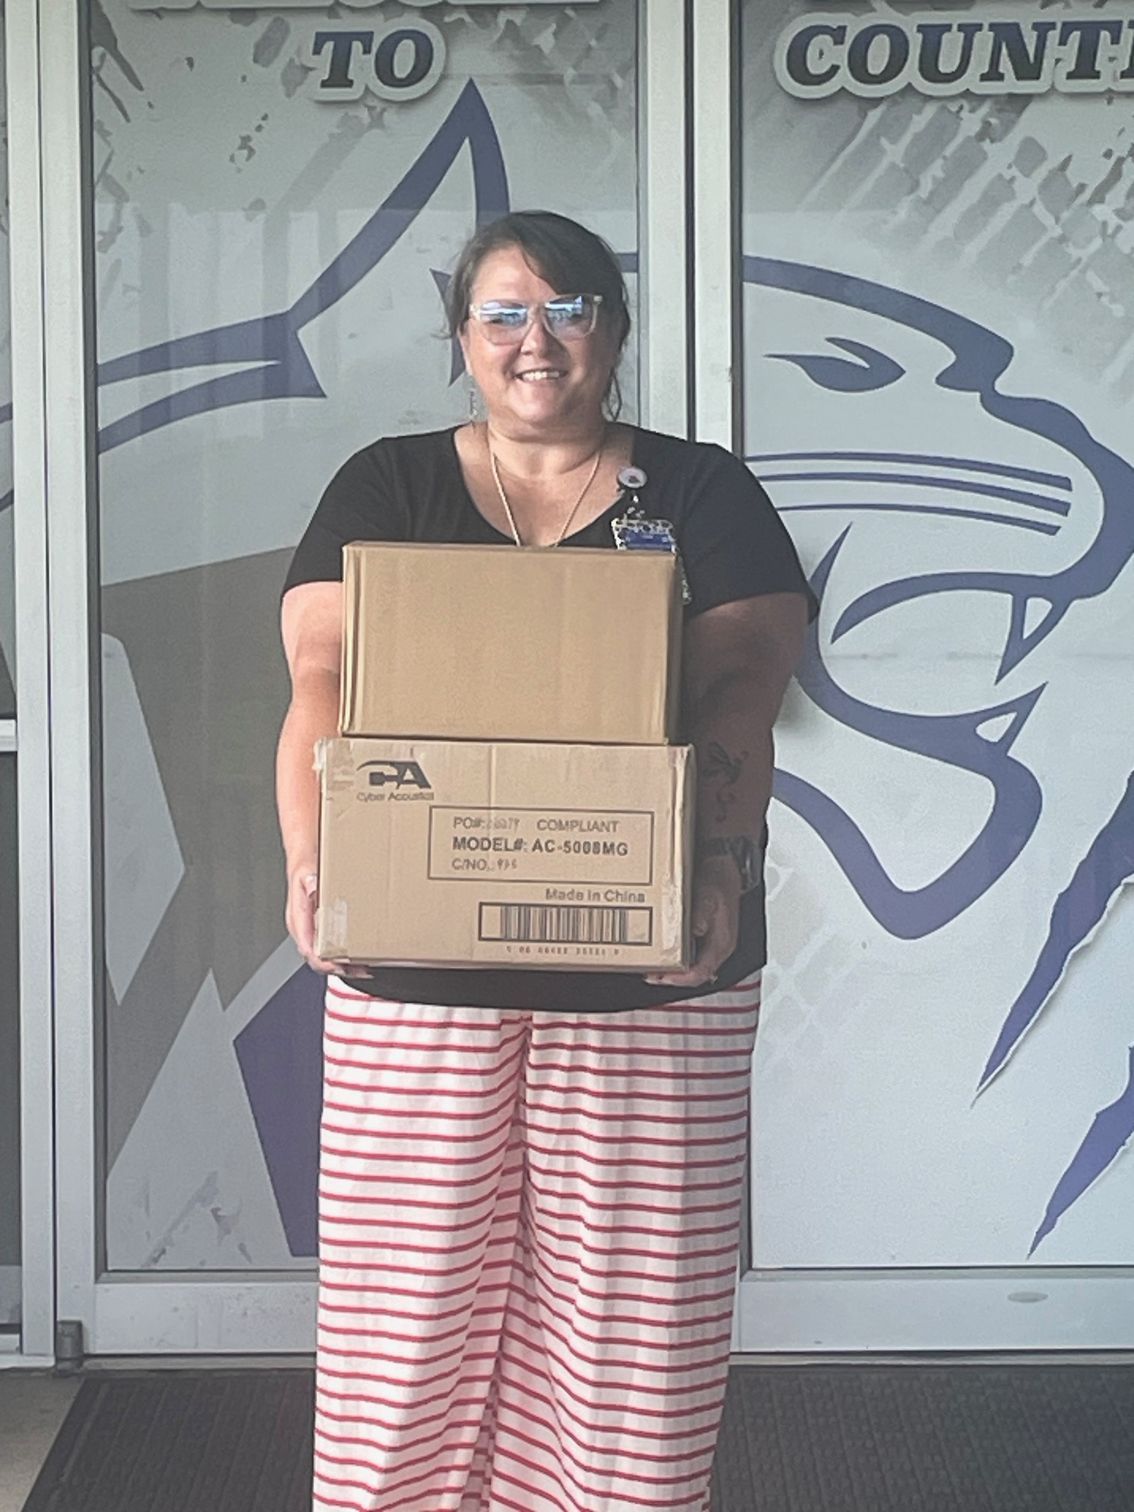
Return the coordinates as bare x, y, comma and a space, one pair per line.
737, 661
311, 626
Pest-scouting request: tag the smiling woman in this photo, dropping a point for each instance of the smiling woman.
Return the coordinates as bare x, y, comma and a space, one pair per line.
548, 464
539, 308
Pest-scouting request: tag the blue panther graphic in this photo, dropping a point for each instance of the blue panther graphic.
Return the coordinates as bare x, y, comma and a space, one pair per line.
969, 360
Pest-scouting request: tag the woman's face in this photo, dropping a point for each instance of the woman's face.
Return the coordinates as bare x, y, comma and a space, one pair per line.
537, 385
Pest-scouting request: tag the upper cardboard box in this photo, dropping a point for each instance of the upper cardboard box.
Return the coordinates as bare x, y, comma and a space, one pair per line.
496, 643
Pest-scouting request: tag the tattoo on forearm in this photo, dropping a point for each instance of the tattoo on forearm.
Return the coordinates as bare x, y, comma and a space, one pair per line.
724, 771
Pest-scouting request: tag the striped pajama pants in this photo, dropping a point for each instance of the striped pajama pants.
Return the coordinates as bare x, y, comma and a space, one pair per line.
528, 1237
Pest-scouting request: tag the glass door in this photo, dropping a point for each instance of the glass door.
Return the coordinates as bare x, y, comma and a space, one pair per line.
270, 204
937, 347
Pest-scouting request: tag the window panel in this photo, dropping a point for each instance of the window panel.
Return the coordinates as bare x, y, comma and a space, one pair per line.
938, 334
272, 228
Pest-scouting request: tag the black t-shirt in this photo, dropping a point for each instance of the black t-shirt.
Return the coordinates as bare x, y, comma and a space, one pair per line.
733, 546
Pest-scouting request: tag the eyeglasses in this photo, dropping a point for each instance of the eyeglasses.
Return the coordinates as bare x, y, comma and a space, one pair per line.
567, 317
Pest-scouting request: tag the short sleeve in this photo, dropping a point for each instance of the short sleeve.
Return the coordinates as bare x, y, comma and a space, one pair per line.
734, 545
360, 503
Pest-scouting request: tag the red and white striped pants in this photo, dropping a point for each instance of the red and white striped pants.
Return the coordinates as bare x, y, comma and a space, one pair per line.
528, 1240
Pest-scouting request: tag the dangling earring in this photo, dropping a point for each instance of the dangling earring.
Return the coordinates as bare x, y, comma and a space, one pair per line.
612, 400
474, 404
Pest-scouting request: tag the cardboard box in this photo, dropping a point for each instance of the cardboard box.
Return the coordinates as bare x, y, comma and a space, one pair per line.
496, 643
463, 853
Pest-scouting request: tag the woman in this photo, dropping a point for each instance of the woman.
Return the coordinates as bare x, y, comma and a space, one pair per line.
530, 1200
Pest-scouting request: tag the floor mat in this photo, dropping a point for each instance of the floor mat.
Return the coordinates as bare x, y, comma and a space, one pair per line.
795, 1438
192, 1441
927, 1438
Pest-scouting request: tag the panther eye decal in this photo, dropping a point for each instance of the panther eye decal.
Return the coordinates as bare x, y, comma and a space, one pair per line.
872, 370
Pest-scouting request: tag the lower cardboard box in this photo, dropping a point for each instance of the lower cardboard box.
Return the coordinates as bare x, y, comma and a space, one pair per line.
468, 853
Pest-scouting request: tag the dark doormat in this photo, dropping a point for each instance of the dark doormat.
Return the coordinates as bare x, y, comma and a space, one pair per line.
927, 1438
184, 1441
795, 1438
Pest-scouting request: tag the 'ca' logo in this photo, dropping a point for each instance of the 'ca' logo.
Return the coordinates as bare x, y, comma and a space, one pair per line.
398, 773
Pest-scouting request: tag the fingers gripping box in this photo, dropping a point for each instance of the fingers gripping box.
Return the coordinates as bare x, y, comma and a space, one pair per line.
497, 854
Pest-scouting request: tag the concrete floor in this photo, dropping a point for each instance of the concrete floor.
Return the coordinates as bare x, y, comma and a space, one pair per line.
32, 1407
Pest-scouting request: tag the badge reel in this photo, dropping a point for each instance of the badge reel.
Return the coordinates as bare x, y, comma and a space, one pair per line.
635, 531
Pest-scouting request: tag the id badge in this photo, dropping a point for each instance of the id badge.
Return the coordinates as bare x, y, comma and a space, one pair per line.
633, 531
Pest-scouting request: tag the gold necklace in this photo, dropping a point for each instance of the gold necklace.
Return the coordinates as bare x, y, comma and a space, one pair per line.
575, 509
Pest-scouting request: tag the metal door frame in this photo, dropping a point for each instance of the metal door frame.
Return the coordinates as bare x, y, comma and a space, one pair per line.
27, 736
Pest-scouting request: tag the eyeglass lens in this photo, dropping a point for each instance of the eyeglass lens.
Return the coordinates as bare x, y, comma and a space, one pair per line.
567, 319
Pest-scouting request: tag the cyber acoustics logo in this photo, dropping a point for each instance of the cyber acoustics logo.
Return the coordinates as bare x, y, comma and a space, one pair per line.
397, 776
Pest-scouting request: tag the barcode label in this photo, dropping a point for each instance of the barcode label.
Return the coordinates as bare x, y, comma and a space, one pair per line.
557, 924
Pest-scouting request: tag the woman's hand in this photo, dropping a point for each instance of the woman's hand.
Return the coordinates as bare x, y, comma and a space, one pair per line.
716, 917
302, 900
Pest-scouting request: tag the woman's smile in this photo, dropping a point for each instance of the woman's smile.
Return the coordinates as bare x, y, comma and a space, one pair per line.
541, 375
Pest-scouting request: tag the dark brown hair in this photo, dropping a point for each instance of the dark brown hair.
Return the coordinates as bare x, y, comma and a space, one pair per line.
568, 256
